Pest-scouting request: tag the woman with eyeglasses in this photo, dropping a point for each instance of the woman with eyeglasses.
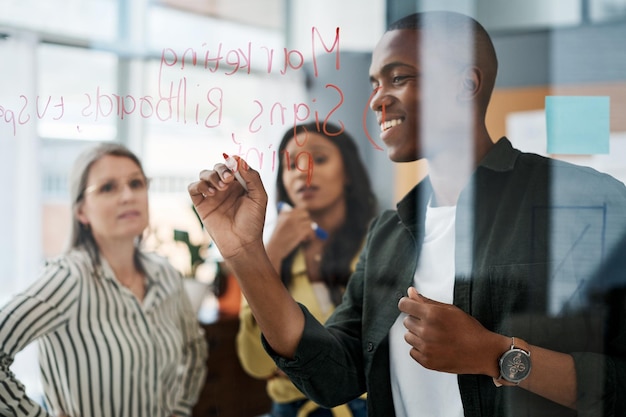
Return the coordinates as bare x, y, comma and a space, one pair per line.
117, 334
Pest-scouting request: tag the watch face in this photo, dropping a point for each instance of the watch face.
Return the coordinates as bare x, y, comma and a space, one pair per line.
515, 365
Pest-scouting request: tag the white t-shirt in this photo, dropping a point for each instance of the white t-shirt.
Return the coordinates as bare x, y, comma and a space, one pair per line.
418, 391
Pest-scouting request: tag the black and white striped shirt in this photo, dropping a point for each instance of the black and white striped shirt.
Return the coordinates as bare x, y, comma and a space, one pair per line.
102, 352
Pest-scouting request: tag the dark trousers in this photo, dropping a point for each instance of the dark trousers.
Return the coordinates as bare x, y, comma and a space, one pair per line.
357, 406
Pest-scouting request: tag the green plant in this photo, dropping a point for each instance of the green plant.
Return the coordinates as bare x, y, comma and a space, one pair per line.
194, 250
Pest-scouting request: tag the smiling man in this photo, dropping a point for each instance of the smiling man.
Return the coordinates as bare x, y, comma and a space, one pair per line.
493, 246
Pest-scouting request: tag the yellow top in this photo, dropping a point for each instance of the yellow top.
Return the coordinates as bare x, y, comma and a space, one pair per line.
255, 361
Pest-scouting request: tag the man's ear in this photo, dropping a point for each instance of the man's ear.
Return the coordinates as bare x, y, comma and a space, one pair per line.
471, 83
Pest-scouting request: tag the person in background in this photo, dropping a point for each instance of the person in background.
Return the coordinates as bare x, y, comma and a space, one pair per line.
116, 331
495, 247
327, 204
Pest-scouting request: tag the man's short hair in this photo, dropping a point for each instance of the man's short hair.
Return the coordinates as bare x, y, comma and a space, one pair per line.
456, 33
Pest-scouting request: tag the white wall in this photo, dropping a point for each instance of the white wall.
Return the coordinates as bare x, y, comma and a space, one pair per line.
361, 23
467, 7
20, 218
528, 14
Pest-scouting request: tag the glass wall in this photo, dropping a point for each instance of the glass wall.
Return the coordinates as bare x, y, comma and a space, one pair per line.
180, 82
161, 77
179, 86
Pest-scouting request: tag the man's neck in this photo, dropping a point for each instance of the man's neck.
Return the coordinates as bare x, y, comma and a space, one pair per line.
449, 172
446, 189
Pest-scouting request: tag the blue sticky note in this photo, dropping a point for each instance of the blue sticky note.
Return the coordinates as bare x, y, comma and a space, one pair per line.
578, 124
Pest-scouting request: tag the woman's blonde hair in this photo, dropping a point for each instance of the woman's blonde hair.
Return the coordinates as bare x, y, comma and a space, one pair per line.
81, 236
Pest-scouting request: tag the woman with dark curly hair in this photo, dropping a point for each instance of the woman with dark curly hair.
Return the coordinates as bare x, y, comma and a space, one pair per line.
325, 203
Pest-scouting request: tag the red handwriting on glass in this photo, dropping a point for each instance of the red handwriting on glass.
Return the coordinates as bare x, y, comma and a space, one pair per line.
172, 101
233, 61
366, 111
44, 107
294, 114
170, 107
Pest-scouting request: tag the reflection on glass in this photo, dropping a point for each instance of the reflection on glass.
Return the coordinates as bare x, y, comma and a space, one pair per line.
87, 19
77, 93
607, 10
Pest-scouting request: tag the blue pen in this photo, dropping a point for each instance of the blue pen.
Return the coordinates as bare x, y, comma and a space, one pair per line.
319, 232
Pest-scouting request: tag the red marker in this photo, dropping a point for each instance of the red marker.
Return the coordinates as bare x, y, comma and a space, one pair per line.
233, 165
